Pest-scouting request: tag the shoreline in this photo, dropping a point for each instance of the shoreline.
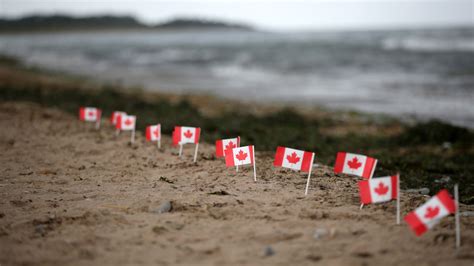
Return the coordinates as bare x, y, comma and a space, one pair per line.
425, 152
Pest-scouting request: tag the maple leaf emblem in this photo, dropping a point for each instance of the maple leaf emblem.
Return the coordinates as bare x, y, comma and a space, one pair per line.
241, 155
230, 146
156, 132
381, 189
91, 113
128, 122
354, 163
188, 134
431, 212
293, 158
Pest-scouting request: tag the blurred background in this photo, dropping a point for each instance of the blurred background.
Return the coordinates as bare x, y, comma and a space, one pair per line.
407, 58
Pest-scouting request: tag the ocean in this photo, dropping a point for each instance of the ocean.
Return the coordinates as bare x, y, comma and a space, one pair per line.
410, 74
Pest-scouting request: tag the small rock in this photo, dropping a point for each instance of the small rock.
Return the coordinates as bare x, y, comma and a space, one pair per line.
422, 191
269, 251
320, 233
446, 145
445, 179
165, 207
159, 229
467, 214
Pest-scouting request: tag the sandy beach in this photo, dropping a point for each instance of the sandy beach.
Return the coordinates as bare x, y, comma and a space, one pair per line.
76, 196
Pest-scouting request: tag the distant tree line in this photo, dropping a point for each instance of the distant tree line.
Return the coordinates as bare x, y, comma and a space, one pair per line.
65, 23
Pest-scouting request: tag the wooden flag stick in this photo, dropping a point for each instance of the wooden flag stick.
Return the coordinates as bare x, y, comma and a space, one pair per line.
117, 132
159, 144
254, 166
97, 124
458, 226
196, 152
180, 150
132, 136
309, 175
237, 168
371, 175
398, 198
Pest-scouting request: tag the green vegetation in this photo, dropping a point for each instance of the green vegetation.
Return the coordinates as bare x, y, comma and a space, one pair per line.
426, 154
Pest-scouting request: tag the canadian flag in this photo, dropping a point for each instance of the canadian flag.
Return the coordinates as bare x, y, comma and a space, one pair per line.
223, 145
429, 214
239, 156
115, 115
90, 114
355, 164
183, 135
153, 133
378, 189
293, 159
126, 122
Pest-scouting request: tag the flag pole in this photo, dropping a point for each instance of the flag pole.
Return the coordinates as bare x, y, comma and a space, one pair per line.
371, 175
398, 198
237, 168
117, 132
309, 175
97, 124
132, 136
458, 227
254, 166
180, 149
196, 151
159, 143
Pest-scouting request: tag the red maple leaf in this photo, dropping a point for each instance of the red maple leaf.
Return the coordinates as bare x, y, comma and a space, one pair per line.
230, 146
91, 113
431, 212
381, 189
293, 158
156, 132
128, 122
188, 134
354, 163
241, 155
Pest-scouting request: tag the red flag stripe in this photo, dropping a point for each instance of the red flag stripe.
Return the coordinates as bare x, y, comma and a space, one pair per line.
340, 160
415, 223
177, 135
306, 164
197, 135
364, 191
219, 148
445, 198
82, 113
148, 132
394, 186
251, 154
229, 158
369, 166
280, 153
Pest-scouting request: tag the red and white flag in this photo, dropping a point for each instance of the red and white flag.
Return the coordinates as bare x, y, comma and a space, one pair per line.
90, 114
223, 145
293, 159
240, 156
153, 133
126, 122
355, 164
115, 115
378, 189
183, 135
429, 214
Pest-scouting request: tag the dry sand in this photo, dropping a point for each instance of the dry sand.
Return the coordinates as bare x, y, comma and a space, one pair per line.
75, 196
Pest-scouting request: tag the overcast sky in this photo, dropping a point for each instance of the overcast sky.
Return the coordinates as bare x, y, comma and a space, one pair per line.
284, 15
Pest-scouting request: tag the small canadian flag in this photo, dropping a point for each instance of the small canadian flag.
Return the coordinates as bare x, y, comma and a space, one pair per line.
223, 145
115, 115
183, 135
429, 214
90, 114
240, 156
126, 122
378, 189
293, 159
153, 133
355, 164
